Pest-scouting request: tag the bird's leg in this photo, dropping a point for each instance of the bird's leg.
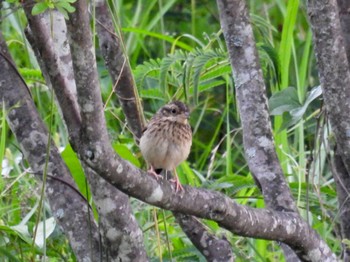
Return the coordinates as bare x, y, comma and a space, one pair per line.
176, 181
152, 172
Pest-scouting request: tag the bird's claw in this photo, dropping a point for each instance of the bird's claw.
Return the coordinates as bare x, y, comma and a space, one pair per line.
153, 173
177, 183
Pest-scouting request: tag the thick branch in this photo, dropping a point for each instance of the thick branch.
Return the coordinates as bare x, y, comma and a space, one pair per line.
32, 136
119, 69
344, 15
333, 65
251, 96
119, 231
342, 181
85, 71
340, 173
333, 70
212, 247
252, 101
287, 227
56, 67
123, 238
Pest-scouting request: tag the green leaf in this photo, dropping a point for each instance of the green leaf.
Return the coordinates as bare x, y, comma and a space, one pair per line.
198, 64
314, 93
287, 101
76, 170
287, 40
4, 252
126, 154
2, 143
346, 242
153, 93
233, 183
220, 69
39, 8
284, 101
159, 36
209, 84
65, 5
63, 12
19, 230
142, 71
165, 65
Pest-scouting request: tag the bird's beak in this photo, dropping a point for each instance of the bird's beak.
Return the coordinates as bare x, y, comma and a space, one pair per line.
183, 118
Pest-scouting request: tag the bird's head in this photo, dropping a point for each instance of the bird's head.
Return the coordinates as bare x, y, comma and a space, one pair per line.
175, 111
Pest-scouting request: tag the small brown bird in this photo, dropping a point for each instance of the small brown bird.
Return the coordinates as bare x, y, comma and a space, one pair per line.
167, 139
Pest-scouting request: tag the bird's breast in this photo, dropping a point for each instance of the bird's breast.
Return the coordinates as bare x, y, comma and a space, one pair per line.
166, 145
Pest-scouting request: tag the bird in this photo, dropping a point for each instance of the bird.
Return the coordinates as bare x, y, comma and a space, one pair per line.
167, 139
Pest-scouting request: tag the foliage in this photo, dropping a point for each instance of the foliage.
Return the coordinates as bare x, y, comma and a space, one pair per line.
176, 50
64, 6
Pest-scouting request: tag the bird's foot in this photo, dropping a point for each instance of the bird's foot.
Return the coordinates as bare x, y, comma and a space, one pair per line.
177, 183
152, 172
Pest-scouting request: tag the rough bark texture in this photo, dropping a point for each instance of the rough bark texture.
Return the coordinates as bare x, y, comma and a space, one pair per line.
342, 180
56, 66
121, 235
123, 239
212, 247
333, 70
341, 175
119, 69
252, 101
32, 136
344, 15
332, 48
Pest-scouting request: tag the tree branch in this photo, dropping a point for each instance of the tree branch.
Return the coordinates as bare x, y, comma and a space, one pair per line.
119, 69
32, 136
342, 181
344, 15
333, 70
252, 101
212, 247
340, 173
119, 232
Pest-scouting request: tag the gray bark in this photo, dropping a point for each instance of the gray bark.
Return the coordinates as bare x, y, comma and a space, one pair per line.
252, 102
342, 181
212, 247
121, 235
32, 136
344, 15
331, 37
333, 70
119, 69
253, 107
341, 175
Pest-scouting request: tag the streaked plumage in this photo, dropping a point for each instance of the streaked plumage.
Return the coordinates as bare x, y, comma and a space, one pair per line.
167, 140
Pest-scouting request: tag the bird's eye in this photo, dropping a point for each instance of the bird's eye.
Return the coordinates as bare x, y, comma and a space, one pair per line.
173, 111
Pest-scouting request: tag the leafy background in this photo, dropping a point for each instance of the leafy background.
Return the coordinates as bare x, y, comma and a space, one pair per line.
177, 51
